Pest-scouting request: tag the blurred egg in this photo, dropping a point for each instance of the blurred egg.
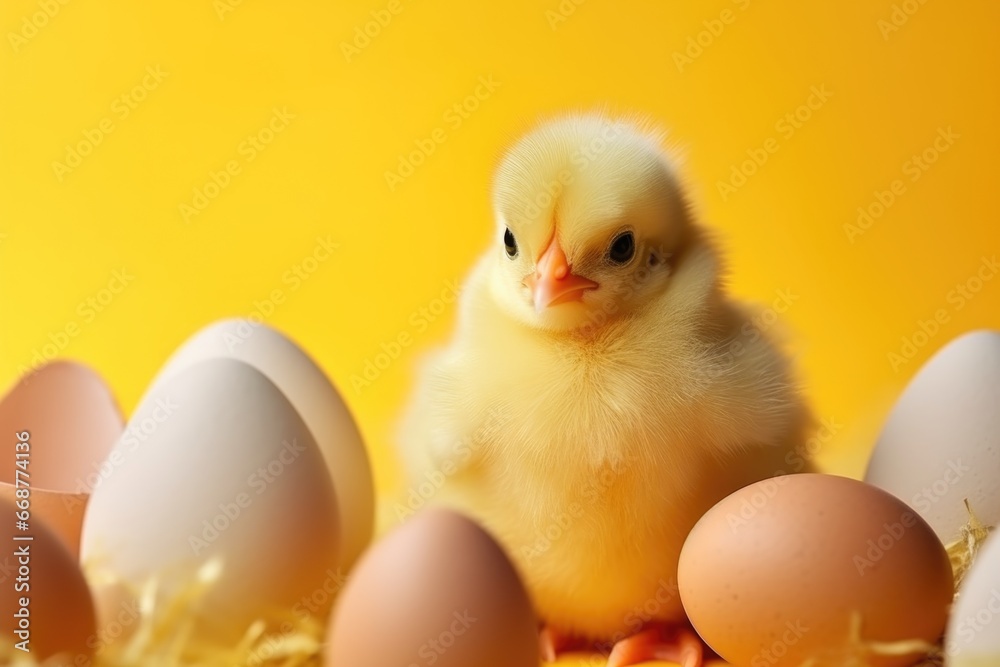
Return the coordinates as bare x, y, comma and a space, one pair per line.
973, 638
226, 471
316, 400
941, 443
777, 572
73, 421
438, 590
60, 613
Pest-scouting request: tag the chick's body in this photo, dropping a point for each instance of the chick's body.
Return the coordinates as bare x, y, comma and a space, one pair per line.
589, 433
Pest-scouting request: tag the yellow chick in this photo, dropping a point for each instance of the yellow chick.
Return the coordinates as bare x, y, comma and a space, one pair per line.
601, 392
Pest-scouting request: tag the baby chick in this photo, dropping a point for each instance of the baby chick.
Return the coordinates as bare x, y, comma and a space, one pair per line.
601, 392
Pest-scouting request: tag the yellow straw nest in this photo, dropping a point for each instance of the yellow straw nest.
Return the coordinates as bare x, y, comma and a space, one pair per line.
163, 635
962, 553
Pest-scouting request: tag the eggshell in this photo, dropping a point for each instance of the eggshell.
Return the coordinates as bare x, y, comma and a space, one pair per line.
61, 612
73, 421
973, 638
226, 470
316, 400
774, 572
438, 590
941, 443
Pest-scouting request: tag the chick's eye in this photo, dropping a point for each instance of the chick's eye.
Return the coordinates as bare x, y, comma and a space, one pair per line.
510, 245
622, 248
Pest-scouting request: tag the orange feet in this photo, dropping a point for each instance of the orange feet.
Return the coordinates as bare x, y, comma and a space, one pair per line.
658, 642
552, 642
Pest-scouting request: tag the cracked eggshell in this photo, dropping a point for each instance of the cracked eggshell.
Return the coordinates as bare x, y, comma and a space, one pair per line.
226, 470
61, 611
73, 421
317, 401
941, 443
973, 638
447, 592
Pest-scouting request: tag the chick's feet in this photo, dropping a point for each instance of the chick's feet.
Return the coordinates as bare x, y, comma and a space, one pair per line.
553, 642
659, 642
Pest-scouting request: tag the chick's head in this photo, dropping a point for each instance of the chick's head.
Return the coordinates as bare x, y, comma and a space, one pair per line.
590, 218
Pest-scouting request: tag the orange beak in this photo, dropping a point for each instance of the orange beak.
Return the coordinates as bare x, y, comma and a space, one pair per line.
553, 282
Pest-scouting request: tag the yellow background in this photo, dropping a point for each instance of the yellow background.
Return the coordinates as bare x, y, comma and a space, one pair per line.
230, 64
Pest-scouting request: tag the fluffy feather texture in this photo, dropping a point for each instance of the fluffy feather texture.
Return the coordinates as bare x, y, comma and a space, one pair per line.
589, 437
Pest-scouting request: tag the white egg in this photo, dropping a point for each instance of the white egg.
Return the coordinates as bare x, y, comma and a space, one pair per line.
317, 401
973, 638
217, 466
941, 443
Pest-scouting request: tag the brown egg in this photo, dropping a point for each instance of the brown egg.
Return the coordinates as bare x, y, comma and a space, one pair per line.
436, 591
814, 567
43, 593
73, 421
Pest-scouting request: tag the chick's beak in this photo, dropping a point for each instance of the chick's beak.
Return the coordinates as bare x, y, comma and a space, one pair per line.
553, 282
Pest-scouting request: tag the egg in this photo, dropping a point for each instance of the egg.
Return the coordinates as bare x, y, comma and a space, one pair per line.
973, 638
73, 421
225, 472
438, 590
810, 567
319, 404
941, 442
43, 595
